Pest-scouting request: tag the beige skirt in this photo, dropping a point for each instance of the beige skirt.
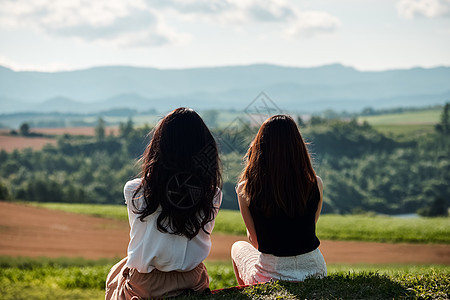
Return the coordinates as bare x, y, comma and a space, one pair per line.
125, 283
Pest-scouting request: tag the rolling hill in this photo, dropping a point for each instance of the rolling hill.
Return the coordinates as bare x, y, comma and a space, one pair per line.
291, 88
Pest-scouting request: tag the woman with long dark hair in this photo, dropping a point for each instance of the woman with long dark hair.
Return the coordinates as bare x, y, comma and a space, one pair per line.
171, 211
280, 198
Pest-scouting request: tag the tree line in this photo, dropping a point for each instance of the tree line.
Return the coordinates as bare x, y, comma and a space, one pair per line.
363, 170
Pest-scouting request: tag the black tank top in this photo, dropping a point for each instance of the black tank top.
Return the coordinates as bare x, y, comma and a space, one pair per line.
281, 235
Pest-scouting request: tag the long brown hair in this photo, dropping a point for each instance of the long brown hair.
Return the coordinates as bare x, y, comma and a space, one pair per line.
278, 176
182, 152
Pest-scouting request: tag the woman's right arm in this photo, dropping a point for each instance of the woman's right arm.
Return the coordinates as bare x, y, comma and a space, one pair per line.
319, 206
248, 220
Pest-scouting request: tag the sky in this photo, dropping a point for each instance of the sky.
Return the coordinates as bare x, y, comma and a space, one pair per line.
49, 35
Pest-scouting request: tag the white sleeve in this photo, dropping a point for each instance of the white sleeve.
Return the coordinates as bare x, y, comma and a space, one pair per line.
130, 188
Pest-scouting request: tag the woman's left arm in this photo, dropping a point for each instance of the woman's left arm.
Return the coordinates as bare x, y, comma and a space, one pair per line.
246, 215
319, 206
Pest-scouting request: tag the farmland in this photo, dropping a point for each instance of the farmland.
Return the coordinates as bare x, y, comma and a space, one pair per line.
399, 124
367, 252
406, 123
425, 117
330, 227
95, 237
80, 131
50, 135
11, 143
399, 270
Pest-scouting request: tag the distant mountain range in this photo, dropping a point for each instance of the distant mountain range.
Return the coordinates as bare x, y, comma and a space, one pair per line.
291, 88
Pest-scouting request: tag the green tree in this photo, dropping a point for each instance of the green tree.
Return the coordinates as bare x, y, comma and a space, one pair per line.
4, 192
125, 129
444, 125
316, 120
368, 111
300, 122
445, 121
100, 129
24, 129
330, 114
437, 208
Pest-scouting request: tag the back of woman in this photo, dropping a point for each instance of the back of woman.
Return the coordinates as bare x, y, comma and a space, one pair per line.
280, 198
275, 231
171, 210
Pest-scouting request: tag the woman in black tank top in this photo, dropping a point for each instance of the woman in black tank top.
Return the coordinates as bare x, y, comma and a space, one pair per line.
280, 198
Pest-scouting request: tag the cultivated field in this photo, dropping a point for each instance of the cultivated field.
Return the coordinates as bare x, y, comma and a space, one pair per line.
85, 131
329, 227
64, 251
355, 269
406, 123
10, 142
33, 231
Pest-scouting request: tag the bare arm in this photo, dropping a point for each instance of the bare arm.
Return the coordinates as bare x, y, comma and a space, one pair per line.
319, 206
248, 220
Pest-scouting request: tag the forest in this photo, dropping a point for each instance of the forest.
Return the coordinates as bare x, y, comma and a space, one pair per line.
364, 170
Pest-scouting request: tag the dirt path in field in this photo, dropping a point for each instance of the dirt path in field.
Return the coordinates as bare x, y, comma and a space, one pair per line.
31, 231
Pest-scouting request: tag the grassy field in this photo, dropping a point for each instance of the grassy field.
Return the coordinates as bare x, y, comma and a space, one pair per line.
360, 228
384, 229
332, 227
406, 123
118, 212
43, 278
431, 116
407, 130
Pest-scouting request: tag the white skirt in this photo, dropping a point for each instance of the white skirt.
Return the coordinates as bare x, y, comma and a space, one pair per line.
256, 267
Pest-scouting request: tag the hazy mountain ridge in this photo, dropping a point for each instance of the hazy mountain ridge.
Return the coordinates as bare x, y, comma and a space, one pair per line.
332, 86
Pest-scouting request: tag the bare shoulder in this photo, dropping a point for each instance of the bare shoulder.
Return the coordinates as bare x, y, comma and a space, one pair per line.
241, 195
319, 180
319, 183
239, 187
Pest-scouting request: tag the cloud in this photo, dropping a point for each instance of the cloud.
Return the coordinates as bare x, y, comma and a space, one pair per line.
270, 12
311, 23
207, 7
240, 13
411, 9
124, 23
44, 67
136, 23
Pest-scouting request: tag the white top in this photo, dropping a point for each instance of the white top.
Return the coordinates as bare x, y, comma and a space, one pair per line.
149, 248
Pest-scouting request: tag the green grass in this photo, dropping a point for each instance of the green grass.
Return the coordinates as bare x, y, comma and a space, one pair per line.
118, 212
411, 123
350, 285
230, 222
44, 278
431, 116
384, 229
404, 129
359, 228
64, 278
329, 227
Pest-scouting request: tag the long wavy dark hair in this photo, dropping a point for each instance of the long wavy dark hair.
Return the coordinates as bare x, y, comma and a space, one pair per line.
180, 174
278, 176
